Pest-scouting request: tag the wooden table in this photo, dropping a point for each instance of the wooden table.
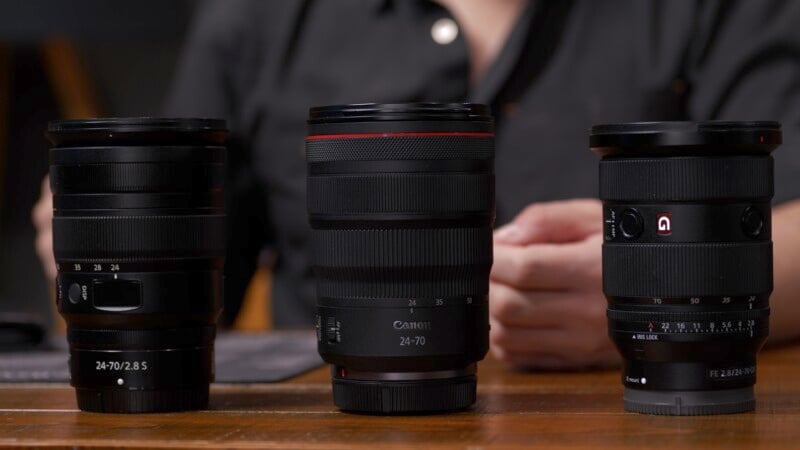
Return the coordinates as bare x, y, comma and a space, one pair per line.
547, 410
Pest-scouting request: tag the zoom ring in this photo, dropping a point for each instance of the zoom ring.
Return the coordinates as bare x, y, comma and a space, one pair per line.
686, 179
399, 148
141, 236
402, 248
686, 270
401, 193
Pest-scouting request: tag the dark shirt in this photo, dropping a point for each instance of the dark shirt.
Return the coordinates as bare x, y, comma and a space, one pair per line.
566, 65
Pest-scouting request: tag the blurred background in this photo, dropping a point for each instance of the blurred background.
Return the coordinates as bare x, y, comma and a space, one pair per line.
74, 59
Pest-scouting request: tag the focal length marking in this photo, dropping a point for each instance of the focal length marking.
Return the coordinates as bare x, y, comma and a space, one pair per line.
121, 366
747, 302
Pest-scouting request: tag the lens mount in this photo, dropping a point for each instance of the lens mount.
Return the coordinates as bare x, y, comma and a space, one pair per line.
690, 403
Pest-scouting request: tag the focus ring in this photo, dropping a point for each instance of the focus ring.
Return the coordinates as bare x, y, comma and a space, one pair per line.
402, 248
141, 177
399, 148
686, 270
686, 179
141, 236
400, 193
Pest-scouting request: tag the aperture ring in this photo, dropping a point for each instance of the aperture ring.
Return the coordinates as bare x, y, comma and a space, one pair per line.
142, 236
686, 316
686, 178
678, 270
441, 193
399, 148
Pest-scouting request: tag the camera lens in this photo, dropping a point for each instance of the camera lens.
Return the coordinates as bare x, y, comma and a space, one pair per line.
401, 202
688, 294
138, 237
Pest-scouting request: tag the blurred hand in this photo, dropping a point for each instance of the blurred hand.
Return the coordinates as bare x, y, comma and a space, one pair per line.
42, 217
546, 302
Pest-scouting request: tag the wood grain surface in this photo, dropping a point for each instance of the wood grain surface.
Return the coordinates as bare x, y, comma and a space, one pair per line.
514, 409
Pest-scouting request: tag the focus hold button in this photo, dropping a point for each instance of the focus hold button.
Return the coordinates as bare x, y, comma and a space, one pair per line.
631, 224
752, 222
74, 293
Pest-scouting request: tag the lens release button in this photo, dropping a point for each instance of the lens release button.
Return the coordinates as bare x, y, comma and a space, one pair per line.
631, 224
752, 222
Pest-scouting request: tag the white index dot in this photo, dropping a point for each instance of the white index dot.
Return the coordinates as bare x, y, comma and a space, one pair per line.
120, 381
644, 380
444, 31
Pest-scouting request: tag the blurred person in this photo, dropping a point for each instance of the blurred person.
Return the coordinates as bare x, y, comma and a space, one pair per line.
549, 69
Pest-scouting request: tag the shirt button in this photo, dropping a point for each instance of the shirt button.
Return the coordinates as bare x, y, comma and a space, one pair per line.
444, 31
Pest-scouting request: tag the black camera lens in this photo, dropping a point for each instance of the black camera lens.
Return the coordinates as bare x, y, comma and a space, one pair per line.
401, 202
138, 237
688, 292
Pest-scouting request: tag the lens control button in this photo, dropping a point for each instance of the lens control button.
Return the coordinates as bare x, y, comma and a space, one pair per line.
331, 330
752, 222
74, 293
631, 224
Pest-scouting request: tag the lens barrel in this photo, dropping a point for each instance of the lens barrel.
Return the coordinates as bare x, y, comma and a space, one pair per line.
401, 202
138, 237
687, 259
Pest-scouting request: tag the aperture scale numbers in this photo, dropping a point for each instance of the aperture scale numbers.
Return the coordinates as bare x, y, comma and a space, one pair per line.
649, 331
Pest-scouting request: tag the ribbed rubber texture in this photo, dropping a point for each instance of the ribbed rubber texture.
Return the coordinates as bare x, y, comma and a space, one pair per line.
441, 282
142, 177
109, 153
404, 397
142, 236
687, 316
694, 410
400, 193
691, 403
76, 204
399, 148
679, 270
142, 401
402, 247
141, 339
686, 179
